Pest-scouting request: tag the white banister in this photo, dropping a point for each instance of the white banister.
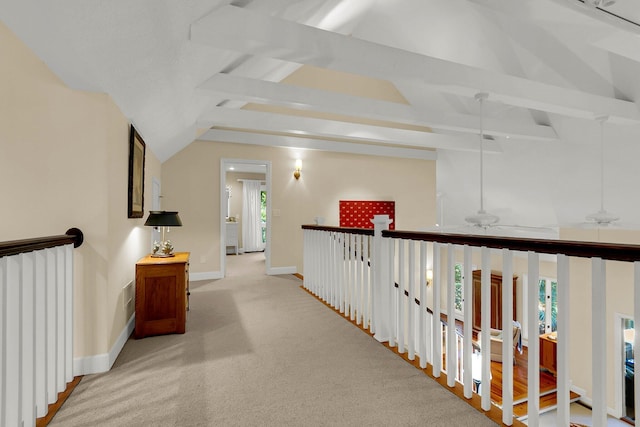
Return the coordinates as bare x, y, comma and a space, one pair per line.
380, 287
412, 304
381, 293
598, 341
467, 331
36, 328
436, 329
400, 299
485, 326
422, 318
452, 353
507, 337
562, 322
533, 386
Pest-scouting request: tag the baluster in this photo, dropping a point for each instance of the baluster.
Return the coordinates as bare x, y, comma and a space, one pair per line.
41, 337
598, 338
357, 307
60, 321
507, 337
52, 316
366, 285
352, 277
28, 338
485, 325
400, 301
422, 340
12, 367
468, 332
68, 351
436, 329
562, 322
412, 299
636, 337
533, 387
393, 324
452, 353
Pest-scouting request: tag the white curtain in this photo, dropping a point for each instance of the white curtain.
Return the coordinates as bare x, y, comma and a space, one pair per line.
251, 222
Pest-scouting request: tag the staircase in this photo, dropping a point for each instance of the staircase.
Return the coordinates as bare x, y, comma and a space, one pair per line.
548, 402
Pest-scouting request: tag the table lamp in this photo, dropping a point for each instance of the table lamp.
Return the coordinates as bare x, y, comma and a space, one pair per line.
164, 219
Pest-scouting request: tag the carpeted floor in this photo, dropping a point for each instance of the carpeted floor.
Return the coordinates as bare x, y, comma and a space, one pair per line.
260, 351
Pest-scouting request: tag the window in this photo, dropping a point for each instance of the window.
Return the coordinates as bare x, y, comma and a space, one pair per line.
263, 214
459, 278
547, 306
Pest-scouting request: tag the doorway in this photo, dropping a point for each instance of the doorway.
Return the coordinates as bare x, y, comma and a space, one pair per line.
245, 201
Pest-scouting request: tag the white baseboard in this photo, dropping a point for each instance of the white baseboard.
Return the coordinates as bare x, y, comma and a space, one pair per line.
274, 271
207, 275
103, 362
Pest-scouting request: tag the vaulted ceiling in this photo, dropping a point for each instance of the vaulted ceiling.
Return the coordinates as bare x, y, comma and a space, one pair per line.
383, 77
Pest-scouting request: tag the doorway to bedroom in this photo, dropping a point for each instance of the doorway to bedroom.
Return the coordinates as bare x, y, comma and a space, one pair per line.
244, 221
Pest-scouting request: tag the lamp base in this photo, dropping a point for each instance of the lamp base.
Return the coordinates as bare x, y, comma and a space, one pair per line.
162, 255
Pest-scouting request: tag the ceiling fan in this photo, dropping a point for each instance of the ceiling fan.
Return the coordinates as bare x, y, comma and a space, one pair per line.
602, 218
483, 222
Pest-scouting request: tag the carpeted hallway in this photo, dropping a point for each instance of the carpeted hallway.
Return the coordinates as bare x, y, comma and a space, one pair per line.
260, 351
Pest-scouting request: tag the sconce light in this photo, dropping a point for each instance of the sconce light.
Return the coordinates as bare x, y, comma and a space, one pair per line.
296, 173
429, 277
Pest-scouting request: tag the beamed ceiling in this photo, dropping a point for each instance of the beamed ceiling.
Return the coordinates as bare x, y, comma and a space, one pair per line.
382, 77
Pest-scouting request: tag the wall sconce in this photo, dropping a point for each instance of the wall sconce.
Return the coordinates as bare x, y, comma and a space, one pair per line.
429, 277
296, 173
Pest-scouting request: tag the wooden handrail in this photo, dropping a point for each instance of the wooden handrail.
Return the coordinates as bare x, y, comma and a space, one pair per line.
363, 231
608, 251
15, 247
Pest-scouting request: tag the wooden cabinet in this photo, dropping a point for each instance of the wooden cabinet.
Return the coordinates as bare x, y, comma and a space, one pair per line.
496, 299
162, 295
548, 355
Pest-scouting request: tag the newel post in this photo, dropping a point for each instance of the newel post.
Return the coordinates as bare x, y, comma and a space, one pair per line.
382, 284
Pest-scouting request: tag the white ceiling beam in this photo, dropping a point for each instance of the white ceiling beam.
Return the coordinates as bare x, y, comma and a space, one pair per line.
240, 137
312, 127
250, 32
264, 92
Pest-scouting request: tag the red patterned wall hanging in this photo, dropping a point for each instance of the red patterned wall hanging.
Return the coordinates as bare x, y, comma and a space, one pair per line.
359, 213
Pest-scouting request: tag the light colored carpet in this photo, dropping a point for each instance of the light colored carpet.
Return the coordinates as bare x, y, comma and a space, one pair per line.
260, 351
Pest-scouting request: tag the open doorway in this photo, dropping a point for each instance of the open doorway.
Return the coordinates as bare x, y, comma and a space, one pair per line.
245, 226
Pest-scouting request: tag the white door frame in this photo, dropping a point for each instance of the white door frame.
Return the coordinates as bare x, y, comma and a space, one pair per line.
223, 230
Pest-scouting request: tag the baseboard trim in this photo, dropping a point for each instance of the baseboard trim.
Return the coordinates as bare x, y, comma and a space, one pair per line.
207, 275
275, 271
103, 362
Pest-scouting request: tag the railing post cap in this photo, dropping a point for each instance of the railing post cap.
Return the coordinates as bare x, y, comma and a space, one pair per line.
381, 219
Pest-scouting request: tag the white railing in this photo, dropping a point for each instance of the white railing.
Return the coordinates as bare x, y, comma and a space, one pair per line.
36, 325
390, 302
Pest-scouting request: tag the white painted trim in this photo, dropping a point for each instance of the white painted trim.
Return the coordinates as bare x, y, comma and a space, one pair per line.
223, 181
103, 362
273, 271
205, 275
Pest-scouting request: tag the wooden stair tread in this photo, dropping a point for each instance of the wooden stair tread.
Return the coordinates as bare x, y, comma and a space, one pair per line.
546, 402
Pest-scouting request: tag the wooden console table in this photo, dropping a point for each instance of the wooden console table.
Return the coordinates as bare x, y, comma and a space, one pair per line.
162, 295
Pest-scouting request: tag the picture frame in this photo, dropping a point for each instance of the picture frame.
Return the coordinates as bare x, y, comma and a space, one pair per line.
137, 148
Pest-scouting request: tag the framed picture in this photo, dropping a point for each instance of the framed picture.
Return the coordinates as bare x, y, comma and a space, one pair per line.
136, 174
